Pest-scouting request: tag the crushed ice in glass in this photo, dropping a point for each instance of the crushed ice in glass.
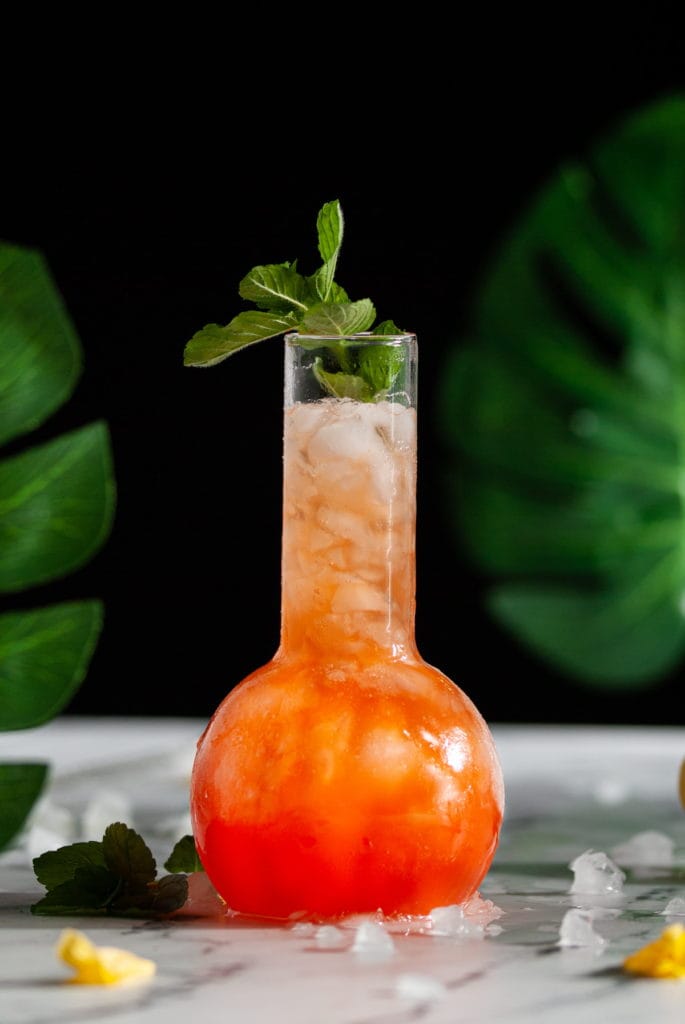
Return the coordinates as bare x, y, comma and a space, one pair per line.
595, 873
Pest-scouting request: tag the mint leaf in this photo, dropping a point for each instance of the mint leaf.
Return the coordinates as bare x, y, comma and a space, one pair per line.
342, 385
388, 327
380, 366
127, 855
90, 891
331, 319
168, 894
329, 226
214, 343
277, 287
338, 293
58, 866
184, 857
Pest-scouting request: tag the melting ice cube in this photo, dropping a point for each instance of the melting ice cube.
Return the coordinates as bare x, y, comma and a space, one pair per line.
595, 873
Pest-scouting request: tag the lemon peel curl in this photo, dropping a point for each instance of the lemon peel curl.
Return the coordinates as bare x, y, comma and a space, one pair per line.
101, 965
663, 958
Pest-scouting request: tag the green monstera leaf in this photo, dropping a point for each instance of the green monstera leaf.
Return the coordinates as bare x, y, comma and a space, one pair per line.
565, 411
56, 508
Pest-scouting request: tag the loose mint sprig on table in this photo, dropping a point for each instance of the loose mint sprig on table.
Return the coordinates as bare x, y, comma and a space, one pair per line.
316, 305
115, 877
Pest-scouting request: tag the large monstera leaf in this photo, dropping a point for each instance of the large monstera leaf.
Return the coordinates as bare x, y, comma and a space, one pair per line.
565, 410
56, 508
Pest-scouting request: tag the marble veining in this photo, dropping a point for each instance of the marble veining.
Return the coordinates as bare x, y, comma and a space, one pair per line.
568, 790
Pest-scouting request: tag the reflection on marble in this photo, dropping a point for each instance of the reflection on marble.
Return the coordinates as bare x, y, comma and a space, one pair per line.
568, 790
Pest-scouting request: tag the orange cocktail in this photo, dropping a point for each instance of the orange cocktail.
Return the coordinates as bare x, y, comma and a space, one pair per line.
347, 774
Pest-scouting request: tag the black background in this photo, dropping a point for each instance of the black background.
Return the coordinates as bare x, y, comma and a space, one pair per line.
152, 210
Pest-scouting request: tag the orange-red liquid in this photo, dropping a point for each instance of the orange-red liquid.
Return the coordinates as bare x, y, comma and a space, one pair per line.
347, 789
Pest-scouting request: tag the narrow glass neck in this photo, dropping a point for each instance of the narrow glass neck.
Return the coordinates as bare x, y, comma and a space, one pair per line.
349, 509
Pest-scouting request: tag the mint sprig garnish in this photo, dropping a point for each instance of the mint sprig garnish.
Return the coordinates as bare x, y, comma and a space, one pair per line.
317, 305
116, 877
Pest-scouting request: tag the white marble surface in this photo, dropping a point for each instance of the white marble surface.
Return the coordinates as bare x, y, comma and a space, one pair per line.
568, 789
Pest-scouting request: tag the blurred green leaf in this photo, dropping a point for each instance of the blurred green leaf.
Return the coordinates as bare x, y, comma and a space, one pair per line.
56, 509
44, 656
20, 787
40, 356
565, 411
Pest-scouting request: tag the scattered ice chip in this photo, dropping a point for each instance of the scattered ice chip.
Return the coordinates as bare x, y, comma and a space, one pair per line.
104, 807
408, 924
420, 988
645, 849
371, 940
305, 929
451, 921
468, 920
329, 937
576, 930
595, 873
611, 792
675, 907
481, 911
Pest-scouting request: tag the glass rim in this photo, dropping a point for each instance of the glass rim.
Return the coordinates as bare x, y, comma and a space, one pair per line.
363, 338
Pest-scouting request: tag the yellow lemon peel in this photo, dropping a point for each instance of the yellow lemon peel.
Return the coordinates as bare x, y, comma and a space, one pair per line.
664, 958
100, 965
